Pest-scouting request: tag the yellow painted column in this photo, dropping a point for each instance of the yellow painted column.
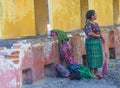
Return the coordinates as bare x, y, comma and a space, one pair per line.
104, 10
1, 16
17, 19
65, 14
83, 8
116, 11
118, 20
41, 16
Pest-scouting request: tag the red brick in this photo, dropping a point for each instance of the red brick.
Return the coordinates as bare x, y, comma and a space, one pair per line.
15, 61
15, 53
12, 57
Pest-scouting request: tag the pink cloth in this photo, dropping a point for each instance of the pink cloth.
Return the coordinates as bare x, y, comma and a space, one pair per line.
104, 69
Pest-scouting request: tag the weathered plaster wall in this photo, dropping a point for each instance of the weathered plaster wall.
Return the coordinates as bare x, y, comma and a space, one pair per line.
65, 14
104, 10
17, 18
40, 16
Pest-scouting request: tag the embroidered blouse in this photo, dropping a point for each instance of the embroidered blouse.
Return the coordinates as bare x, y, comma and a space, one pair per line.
91, 27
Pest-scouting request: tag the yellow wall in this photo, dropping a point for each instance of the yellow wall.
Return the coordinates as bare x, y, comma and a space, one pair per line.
116, 11
29, 17
40, 16
83, 8
1, 16
118, 21
65, 14
18, 18
71, 16
104, 10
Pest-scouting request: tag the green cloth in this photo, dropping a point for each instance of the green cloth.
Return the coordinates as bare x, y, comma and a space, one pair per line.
94, 52
85, 72
61, 35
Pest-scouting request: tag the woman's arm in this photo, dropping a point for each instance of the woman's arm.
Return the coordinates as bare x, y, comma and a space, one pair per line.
93, 35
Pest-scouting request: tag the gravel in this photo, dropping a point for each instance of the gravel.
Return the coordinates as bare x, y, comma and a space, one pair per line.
67, 83
111, 80
114, 70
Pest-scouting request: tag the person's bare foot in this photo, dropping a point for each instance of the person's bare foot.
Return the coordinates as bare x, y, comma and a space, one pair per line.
99, 76
95, 77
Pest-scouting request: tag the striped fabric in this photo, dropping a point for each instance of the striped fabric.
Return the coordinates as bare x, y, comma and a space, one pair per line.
94, 53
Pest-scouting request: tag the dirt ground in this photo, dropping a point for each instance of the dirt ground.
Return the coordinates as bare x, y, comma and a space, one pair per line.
111, 80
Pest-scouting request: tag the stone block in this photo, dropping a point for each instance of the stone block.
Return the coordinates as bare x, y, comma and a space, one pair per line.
76, 47
117, 42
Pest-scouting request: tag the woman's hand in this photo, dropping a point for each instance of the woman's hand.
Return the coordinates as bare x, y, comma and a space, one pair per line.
103, 39
94, 35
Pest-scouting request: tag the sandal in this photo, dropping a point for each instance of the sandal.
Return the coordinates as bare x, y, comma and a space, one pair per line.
99, 76
95, 77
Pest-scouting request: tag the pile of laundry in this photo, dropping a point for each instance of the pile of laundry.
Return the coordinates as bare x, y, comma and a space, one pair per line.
73, 70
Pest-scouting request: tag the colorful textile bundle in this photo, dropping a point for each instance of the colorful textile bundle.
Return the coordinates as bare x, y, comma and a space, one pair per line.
62, 36
77, 71
67, 55
63, 46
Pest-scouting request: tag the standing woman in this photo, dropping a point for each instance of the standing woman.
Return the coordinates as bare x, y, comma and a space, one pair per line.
93, 43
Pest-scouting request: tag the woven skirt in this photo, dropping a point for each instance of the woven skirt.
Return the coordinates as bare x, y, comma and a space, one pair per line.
94, 52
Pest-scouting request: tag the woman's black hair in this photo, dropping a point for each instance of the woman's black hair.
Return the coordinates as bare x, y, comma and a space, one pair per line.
89, 14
